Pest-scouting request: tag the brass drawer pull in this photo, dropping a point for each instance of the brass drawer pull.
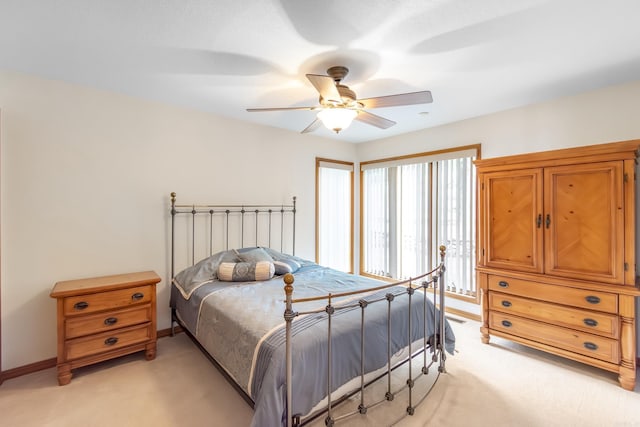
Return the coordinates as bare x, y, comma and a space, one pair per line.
592, 299
80, 305
590, 346
503, 284
137, 296
110, 321
506, 303
590, 322
506, 323
111, 341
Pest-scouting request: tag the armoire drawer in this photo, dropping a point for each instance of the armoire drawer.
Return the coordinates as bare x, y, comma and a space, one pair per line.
556, 336
582, 298
585, 320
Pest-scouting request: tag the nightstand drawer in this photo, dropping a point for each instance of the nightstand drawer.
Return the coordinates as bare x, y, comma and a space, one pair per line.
101, 322
589, 321
90, 303
564, 338
101, 343
583, 298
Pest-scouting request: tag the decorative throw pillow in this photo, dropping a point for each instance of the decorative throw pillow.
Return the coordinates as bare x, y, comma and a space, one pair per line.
254, 255
285, 266
191, 278
245, 271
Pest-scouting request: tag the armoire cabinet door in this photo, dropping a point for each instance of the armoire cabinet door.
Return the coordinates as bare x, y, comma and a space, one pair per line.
511, 208
584, 221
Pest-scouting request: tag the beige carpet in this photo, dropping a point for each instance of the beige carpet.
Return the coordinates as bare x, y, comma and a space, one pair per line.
502, 384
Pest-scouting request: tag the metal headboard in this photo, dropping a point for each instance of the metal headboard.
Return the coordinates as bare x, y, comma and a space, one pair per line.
257, 214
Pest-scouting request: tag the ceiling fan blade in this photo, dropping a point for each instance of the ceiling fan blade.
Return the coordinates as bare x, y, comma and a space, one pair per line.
373, 120
423, 97
313, 126
253, 110
326, 87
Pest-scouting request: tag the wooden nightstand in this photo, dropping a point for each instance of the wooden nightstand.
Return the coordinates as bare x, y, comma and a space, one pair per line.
100, 318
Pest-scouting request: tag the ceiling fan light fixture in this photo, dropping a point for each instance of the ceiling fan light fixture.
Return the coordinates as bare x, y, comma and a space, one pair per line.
337, 119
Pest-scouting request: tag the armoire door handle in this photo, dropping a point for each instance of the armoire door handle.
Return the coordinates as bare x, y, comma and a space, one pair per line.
548, 220
539, 221
590, 322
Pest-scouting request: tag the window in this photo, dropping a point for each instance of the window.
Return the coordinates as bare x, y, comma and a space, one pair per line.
414, 204
334, 214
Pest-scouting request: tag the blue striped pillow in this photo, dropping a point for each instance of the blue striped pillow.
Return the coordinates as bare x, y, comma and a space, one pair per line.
245, 271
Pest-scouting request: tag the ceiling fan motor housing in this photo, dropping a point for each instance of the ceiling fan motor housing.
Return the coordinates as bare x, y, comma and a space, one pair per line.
337, 73
347, 98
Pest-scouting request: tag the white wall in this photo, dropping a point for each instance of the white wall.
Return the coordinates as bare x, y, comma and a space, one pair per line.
606, 115
86, 177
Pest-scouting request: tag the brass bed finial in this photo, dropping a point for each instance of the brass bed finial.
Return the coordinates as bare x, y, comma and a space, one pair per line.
288, 280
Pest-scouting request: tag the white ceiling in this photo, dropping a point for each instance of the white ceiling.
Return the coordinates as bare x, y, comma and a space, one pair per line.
223, 56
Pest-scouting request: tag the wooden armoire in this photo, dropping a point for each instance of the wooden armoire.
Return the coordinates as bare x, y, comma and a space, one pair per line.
556, 261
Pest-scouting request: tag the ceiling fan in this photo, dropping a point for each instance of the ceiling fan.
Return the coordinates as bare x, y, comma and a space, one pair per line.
339, 104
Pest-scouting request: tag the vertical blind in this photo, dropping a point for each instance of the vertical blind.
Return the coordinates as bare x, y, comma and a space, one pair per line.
334, 215
455, 225
411, 207
376, 214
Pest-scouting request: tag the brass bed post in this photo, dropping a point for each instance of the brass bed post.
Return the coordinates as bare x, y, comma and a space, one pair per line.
288, 317
410, 382
389, 394
363, 304
173, 234
425, 338
330, 310
443, 356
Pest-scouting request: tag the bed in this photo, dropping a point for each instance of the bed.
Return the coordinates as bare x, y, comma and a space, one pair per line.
293, 337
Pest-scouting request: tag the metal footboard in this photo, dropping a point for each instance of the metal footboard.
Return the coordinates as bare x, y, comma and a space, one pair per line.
433, 279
